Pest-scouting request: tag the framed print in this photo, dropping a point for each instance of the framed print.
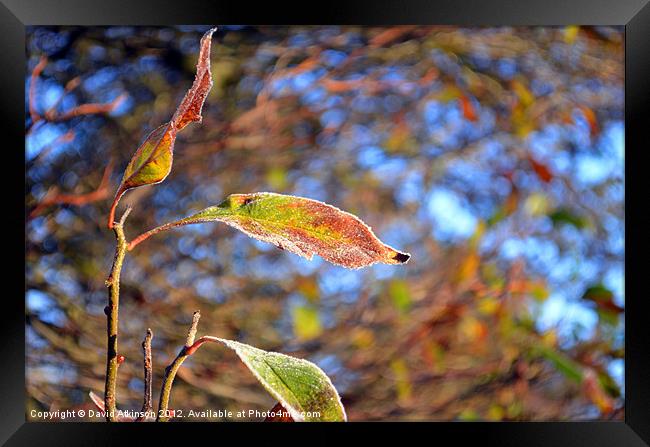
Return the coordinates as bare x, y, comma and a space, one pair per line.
416, 213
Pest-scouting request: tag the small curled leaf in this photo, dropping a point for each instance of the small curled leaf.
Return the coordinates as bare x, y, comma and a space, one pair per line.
190, 107
152, 161
299, 225
301, 387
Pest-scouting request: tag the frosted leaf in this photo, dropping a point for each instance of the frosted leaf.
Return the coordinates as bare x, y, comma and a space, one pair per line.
302, 226
301, 387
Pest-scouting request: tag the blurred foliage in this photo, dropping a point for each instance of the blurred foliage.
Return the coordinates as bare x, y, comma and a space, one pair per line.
493, 155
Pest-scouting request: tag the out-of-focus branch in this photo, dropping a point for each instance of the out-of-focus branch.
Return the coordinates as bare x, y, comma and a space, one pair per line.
51, 115
390, 35
170, 371
65, 138
55, 198
36, 72
70, 86
222, 390
89, 109
60, 341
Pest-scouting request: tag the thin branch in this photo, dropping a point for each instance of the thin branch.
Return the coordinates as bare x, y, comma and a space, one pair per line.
113, 284
125, 215
144, 236
147, 405
179, 223
89, 109
170, 371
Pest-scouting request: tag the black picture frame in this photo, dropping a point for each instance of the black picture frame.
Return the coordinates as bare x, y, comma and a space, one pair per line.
634, 15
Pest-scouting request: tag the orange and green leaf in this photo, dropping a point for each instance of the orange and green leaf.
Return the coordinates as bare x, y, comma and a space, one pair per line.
302, 226
152, 161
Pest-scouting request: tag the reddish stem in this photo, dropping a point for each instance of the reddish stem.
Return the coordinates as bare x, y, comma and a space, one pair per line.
145, 236
197, 344
111, 214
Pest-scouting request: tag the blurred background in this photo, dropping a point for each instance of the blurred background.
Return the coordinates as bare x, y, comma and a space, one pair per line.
493, 155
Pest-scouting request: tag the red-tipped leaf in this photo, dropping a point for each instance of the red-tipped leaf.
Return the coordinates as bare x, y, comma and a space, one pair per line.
152, 161
302, 226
